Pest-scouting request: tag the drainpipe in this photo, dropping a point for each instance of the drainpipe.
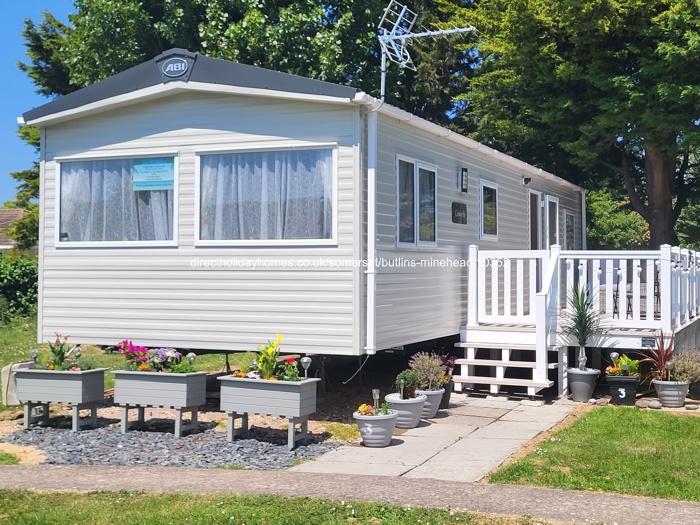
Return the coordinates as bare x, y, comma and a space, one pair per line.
371, 272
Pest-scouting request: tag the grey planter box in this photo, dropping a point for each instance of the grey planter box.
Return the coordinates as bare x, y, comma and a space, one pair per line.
37, 388
183, 392
294, 400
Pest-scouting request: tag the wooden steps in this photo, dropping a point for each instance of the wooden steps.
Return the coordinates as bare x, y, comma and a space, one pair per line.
496, 351
505, 381
493, 362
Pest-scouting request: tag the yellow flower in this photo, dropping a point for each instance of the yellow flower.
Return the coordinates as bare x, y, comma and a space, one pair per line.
279, 338
50, 367
270, 351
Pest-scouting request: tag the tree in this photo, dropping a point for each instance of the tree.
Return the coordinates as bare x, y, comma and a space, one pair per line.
613, 84
613, 225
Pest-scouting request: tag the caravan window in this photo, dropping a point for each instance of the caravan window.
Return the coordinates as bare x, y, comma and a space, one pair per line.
416, 203
116, 201
489, 210
266, 197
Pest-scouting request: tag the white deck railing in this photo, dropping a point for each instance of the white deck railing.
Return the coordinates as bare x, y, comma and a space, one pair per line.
651, 289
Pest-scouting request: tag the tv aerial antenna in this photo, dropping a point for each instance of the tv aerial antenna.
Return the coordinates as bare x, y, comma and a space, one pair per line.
395, 35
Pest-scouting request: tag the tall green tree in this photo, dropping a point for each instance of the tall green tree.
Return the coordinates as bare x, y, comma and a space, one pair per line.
614, 84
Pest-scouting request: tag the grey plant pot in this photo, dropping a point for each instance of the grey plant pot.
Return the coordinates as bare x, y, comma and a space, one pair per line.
445, 401
376, 431
60, 386
160, 389
432, 402
410, 410
272, 398
582, 383
671, 394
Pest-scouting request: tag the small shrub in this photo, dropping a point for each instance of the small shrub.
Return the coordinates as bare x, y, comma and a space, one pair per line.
429, 369
687, 365
410, 382
19, 284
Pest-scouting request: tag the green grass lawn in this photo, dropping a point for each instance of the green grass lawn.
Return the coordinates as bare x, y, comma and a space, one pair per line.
17, 338
8, 459
617, 449
20, 507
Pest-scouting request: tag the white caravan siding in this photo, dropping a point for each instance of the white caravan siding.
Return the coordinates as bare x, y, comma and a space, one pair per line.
155, 296
420, 303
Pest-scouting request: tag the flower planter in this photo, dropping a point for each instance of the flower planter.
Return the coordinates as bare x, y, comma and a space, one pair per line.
623, 389
81, 389
294, 400
410, 410
445, 401
671, 394
432, 402
376, 431
582, 383
182, 392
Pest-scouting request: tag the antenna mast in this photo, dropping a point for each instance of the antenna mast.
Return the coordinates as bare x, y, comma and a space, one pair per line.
395, 36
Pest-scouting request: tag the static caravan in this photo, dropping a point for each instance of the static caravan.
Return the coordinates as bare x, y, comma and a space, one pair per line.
204, 204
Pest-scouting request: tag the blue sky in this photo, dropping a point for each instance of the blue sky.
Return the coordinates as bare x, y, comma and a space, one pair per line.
18, 92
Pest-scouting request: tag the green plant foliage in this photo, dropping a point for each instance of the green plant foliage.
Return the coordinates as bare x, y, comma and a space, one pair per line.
613, 225
616, 449
687, 365
410, 383
429, 369
18, 284
8, 459
582, 320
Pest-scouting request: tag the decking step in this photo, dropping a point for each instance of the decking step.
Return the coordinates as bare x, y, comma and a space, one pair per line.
507, 381
498, 345
500, 328
494, 362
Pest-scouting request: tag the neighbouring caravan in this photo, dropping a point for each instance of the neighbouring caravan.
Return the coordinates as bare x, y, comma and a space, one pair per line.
204, 204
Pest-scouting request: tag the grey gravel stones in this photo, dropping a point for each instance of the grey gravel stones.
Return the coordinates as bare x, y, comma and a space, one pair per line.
691, 406
208, 449
654, 404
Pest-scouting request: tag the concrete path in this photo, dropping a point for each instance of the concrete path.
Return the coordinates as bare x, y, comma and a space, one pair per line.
463, 443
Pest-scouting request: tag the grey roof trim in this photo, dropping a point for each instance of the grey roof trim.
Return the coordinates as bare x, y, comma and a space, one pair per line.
204, 69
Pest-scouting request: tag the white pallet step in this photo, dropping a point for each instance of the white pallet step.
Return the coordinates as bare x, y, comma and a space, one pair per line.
500, 328
494, 362
498, 345
484, 380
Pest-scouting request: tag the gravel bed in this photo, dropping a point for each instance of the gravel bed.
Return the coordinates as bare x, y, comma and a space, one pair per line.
106, 445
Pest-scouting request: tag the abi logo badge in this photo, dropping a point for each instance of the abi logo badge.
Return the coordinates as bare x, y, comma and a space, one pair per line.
174, 67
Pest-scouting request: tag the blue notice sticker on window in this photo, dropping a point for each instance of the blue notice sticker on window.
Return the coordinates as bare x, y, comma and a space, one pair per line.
153, 174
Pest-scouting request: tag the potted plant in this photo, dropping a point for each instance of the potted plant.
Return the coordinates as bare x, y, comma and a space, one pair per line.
581, 322
622, 378
689, 363
430, 372
62, 377
376, 424
448, 364
671, 384
406, 400
271, 386
158, 377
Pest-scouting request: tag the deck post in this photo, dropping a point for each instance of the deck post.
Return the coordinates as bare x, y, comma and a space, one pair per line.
473, 295
665, 288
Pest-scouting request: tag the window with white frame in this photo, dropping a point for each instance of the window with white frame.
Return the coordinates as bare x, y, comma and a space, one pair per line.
267, 196
116, 200
489, 210
416, 203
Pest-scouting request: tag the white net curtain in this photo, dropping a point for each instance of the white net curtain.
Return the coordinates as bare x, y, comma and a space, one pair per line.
98, 203
267, 195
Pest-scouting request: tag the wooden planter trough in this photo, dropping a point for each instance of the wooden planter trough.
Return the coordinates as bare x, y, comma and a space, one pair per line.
294, 400
182, 392
36, 389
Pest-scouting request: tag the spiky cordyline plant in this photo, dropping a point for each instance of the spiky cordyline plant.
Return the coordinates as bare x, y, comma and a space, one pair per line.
582, 320
660, 356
